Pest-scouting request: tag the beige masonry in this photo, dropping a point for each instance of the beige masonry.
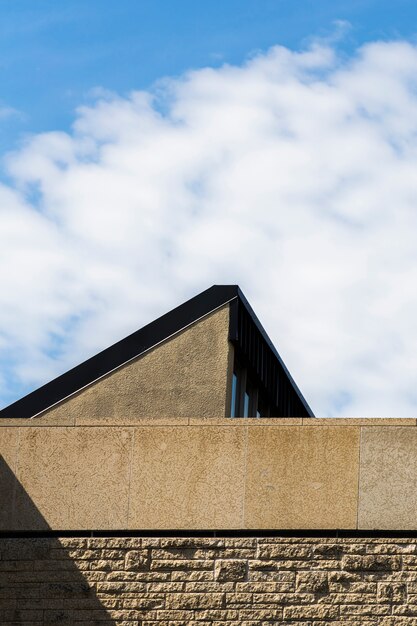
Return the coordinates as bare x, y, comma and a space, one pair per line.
152, 385
139, 451
223, 581
248, 521
211, 474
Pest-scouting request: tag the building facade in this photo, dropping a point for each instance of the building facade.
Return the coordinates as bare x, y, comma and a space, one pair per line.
179, 477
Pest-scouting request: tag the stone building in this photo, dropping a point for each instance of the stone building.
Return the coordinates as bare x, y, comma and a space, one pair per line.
130, 496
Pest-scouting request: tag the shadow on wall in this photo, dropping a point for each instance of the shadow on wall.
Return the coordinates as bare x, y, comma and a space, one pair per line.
41, 578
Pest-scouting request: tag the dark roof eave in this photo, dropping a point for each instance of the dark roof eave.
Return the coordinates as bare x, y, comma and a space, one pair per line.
274, 350
134, 346
120, 353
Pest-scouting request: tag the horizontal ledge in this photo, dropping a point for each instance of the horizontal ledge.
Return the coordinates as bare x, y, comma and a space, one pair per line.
133, 422
299, 533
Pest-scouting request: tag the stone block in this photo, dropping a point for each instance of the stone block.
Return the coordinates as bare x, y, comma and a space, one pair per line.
388, 478
392, 593
137, 560
372, 563
187, 478
192, 601
230, 570
302, 477
78, 478
312, 582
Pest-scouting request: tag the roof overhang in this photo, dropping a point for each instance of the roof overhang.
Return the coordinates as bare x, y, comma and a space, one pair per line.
151, 335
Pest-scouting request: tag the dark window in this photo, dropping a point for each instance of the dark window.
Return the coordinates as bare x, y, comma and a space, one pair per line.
262, 375
247, 400
246, 404
262, 408
233, 410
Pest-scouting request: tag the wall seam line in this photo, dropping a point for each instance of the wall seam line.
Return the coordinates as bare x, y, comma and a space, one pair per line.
359, 476
130, 476
245, 475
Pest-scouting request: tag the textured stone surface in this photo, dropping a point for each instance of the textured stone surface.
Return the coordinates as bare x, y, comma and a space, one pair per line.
187, 477
302, 477
47, 419
208, 473
9, 440
73, 478
224, 581
250, 421
388, 478
231, 569
185, 376
359, 421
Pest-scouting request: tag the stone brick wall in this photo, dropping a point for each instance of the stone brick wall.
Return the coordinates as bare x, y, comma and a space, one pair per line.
222, 581
215, 474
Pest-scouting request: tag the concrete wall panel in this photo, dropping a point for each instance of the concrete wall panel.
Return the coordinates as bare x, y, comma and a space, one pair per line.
209, 474
388, 478
184, 376
77, 478
302, 477
190, 477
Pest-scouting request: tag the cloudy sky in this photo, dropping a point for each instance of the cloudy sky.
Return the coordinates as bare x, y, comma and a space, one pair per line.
156, 148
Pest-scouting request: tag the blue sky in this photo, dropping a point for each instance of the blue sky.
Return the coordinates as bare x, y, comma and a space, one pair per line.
52, 54
151, 149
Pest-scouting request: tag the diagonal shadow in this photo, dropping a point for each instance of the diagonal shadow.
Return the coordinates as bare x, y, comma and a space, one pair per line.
40, 582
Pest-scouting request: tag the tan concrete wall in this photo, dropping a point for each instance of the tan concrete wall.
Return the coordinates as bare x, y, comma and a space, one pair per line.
224, 581
186, 375
206, 473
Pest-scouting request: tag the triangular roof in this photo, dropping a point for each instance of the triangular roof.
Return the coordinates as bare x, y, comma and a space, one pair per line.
245, 331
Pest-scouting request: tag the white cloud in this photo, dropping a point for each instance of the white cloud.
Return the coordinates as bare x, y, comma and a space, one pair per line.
294, 175
7, 112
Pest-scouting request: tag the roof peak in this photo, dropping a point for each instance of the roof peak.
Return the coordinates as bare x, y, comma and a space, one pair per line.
135, 345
